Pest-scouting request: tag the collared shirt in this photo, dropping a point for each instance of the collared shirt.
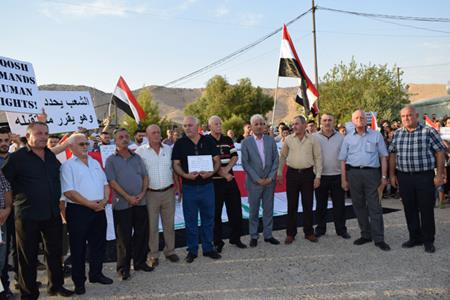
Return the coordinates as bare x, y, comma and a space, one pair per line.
158, 166
415, 150
226, 149
363, 150
330, 147
260, 146
184, 147
35, 183
301, 154
88, 180
129, 173
3, 160
4, 188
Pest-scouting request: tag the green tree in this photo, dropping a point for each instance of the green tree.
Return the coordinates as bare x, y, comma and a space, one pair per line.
236, 103
346, 88
151, 110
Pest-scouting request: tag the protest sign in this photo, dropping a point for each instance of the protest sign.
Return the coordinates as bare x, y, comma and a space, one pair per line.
66, 112
18, 88
445, 133
106, 151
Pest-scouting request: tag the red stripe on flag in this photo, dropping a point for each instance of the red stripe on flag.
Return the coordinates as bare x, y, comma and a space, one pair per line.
123, 85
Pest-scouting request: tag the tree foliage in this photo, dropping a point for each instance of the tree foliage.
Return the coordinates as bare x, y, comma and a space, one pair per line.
236, 103
376, 88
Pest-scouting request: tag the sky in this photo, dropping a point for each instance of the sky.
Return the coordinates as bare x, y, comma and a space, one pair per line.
155, 42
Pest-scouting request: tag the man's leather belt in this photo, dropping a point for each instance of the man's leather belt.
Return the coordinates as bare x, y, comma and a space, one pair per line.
301, 170
163, 189
349, 167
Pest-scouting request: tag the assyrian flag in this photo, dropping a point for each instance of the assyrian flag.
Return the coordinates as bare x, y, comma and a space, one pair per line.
290, 66
430, 123
124, 99
374, 123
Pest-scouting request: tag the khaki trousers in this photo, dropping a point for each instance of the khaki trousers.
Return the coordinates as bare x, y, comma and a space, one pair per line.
161, 204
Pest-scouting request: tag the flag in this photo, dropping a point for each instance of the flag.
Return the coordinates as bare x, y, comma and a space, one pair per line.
124, 99
374, 123
430, 122
290, 66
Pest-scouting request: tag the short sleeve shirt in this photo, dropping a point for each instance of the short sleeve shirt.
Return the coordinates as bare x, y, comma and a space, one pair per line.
226, 149
184, 147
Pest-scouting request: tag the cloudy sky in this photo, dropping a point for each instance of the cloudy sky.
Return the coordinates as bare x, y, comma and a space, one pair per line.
154, 42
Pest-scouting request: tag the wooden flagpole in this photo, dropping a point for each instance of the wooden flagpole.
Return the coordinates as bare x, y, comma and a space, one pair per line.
275, 100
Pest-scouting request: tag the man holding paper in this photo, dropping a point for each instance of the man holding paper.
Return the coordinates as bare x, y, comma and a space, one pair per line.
196, 159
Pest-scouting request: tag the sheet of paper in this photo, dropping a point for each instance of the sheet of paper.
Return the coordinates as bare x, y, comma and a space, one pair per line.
198, 163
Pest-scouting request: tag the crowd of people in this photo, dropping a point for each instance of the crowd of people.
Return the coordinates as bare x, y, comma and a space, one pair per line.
44, 200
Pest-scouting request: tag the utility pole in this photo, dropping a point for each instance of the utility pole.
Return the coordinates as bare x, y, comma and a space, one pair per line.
315, 56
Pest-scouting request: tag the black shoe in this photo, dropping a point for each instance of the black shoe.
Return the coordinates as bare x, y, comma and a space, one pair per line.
361, 241
383, 246
144, 267
429, 248
318, 233
253, 243
219, 246
63, 292
239, 244
272, 240
345, 235
212, 254
125, 274
80, 289
411, 243
173, 258
102, 279
190, 257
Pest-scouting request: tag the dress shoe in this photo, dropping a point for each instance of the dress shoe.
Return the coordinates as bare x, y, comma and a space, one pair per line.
429, 248
239, 244
80, 289
311, 238
124, 274
102, 279
219, 246
318, 233
383, 246
253, 243
289, 239
272, 240
212, 254
144, 267
361, 241
345, 235
173, 258
190, 257
153, 262
63, 292
411, 243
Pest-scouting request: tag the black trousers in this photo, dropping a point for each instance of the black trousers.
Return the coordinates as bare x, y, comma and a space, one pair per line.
85, 226
228, 193
418, 196
28, 234
10, 250
131, 226
330, 185
300, 181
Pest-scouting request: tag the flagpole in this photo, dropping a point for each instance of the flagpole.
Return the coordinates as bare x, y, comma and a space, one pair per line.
315, 57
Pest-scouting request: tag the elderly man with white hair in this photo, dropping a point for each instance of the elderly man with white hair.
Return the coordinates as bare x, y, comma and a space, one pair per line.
260, 161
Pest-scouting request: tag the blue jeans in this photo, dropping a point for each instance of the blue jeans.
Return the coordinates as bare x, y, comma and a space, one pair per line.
199, 198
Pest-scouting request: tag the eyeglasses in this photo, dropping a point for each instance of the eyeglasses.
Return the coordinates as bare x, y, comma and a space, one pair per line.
83, 144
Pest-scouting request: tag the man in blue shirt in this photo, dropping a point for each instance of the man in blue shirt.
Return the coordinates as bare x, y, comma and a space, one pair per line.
360, 156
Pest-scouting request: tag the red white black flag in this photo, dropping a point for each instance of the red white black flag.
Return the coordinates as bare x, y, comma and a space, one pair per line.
125, 100
290, 66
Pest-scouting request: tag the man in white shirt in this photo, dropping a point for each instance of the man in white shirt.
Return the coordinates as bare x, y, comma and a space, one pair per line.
160, 195
85, 186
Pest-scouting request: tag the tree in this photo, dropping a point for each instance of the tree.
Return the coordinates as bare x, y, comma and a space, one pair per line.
151, 110
230, 102
346, 88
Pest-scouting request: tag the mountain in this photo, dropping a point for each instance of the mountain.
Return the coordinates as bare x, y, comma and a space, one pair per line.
172, 101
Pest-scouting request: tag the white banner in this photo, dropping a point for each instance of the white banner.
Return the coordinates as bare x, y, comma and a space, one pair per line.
445, 133
106, 151
18, 88
66, 112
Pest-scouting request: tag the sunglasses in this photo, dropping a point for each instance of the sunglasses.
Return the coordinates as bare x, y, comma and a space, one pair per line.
83, 144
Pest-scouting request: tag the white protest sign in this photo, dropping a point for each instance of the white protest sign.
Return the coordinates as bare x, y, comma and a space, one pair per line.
66, 112
18, 88
445, 133
106, 151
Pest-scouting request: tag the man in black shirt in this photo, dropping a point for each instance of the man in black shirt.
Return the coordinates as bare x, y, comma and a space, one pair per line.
198, 190
33, 172
225, 187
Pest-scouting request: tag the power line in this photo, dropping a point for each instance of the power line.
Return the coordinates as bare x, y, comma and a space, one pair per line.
235, 53
426, 66
382, 34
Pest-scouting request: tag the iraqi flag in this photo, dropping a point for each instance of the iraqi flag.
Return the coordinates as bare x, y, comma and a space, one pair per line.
374, 123
125, 100
290, 66
430, 122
